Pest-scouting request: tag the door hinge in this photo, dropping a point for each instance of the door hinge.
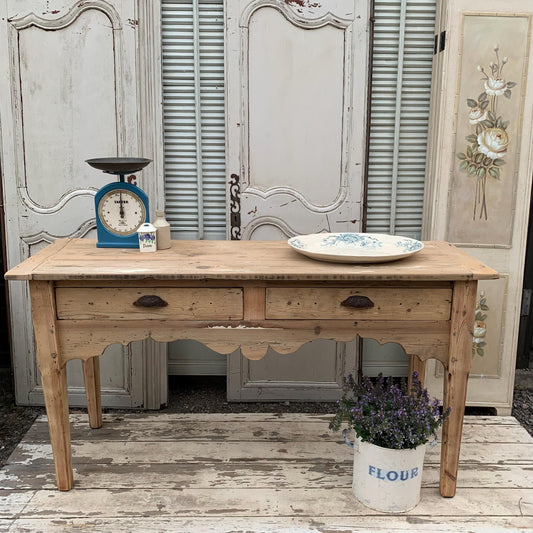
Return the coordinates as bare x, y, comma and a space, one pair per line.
439, 44
526, 302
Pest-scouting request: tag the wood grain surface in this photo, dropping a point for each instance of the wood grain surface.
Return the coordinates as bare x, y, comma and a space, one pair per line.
267, 472
268, 260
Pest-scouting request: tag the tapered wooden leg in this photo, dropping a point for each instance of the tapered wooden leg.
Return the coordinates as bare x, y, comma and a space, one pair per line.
56, 401
54, 379
91, 376
455, 381
417, 365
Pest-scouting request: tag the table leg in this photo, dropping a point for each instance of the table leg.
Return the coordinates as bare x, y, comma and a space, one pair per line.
56, 401
417, 365
54, 379
455, 381
91, 377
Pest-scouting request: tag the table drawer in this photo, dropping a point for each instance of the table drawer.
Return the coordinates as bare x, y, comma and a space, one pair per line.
149, 303
365, 303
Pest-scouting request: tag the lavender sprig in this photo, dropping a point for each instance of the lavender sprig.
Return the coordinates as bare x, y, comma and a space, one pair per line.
386, 414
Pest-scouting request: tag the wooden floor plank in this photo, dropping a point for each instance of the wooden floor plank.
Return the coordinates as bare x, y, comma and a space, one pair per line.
228, 418
313, 524
256, 474
252, 472
320, 452
256, 417
215, 431
192, 430
12, 502
246, 502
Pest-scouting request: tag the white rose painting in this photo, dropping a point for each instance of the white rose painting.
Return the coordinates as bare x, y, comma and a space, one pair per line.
488, 142
488, 110
480, 325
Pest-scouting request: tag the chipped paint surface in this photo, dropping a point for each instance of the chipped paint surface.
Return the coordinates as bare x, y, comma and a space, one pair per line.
240, 326
57, 116
297, 147
270, 472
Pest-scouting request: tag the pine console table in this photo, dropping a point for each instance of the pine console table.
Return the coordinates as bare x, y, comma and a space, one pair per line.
251, 294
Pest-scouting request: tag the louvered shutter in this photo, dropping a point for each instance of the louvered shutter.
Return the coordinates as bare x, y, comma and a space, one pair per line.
193, 81
193, 110
401, 85
193, 96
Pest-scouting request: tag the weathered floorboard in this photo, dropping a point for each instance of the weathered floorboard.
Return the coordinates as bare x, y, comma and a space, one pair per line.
201, 428
246, 502
253, 474
317, 452
259, 472
313, 524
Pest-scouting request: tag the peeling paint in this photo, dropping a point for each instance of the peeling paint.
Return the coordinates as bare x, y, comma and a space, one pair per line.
240, 326
302, 3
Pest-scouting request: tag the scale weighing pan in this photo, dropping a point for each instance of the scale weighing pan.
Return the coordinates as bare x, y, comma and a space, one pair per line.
119, 165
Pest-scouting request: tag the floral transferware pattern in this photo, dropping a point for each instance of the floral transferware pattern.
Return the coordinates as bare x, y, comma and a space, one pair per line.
297, 243
357, 239
355, 247
489, 139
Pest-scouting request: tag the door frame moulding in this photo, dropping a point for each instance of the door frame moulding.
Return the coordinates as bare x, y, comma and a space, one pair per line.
291, 16
150, 89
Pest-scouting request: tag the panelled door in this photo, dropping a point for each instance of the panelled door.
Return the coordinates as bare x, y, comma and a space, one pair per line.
480, 171
68, 93
296, 87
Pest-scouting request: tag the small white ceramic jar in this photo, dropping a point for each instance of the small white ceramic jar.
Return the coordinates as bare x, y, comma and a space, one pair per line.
163, 231
147, 238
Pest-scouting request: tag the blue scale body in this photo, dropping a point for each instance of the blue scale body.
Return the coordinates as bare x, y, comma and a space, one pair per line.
107, 239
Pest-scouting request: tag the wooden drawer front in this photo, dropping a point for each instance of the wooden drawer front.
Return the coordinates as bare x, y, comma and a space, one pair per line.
182, 303
388, 304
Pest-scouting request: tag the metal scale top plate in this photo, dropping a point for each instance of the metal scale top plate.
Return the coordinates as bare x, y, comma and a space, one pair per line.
119, 165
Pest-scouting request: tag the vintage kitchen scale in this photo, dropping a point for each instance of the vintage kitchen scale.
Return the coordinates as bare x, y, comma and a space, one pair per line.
121, 207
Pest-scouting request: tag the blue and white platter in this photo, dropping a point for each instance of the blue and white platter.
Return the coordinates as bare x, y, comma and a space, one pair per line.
355, 247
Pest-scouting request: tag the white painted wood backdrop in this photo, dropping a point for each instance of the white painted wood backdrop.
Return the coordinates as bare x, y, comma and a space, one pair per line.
69, 92
487, 386
296, 96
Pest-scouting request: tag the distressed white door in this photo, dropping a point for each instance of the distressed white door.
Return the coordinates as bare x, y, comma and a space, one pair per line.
68, 93
480, 168
296, 86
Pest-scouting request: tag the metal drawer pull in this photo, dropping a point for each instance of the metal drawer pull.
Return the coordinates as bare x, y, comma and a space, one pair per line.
359, 302
150, 300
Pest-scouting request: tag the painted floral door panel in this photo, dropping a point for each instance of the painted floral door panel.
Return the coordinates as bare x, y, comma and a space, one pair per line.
480, 172
490, 101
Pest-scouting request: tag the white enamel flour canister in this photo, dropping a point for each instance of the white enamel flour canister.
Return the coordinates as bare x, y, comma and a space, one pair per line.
387, 480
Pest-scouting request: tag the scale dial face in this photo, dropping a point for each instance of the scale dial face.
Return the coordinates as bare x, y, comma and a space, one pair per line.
121, 212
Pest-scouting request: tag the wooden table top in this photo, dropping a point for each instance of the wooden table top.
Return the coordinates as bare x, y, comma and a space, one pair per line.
80, 259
